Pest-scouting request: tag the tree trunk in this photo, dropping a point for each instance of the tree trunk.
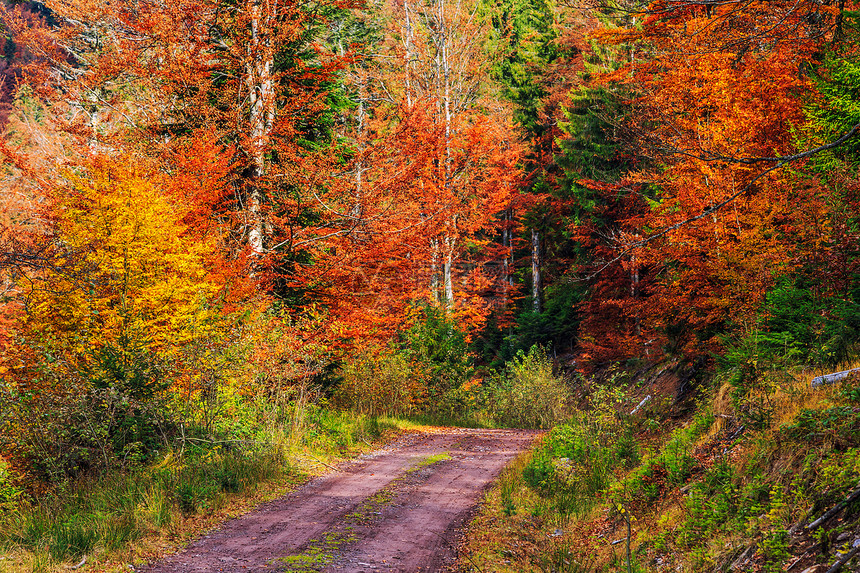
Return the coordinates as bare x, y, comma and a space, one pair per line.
357, 206
536, 271
446, 97
261, 95
634, 292
434, 270
450, 245
409, 56
508, 261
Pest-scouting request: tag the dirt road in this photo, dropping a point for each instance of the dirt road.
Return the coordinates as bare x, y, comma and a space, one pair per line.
400, 508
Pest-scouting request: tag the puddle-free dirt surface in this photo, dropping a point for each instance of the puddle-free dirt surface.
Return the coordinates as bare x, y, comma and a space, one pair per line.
400, 508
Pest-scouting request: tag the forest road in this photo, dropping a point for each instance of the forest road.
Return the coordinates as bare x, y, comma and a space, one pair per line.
400, 508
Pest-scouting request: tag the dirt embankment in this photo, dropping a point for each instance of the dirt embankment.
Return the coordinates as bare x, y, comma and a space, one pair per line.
400, 508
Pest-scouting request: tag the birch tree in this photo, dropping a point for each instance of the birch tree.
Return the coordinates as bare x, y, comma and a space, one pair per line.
444, 79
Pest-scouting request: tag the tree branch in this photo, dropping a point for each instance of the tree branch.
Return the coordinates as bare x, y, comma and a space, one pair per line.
780, 162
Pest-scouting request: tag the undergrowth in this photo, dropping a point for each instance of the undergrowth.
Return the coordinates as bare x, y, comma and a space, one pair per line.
117, 515
727, 487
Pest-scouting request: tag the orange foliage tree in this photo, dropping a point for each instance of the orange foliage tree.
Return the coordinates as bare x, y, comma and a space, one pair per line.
406, 208
719, 90
165, 80
250, 86
455, 139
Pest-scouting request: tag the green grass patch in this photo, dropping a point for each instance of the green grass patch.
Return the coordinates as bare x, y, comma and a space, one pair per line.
699, 495
118, 509
319, 554
109, 513
428, 461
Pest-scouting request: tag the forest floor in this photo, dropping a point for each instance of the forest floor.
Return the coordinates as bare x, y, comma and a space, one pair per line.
399, 508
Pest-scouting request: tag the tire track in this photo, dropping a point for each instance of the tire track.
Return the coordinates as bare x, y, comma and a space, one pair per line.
382, 512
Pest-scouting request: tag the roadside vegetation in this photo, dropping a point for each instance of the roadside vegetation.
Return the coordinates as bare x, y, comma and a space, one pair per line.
716, 479
133, 511
132, 469
651, 466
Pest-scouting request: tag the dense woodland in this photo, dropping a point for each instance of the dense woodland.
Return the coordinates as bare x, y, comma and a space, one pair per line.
404, 207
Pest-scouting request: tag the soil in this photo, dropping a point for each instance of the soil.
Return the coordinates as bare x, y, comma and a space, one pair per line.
400, 508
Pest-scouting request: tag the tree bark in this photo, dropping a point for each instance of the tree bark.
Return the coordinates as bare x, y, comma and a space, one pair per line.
507, 261
434, 270
409, 56
261, 96
450, 246
536, 278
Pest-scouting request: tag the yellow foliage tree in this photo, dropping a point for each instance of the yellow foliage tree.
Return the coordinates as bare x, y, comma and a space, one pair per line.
105, 328
132, 275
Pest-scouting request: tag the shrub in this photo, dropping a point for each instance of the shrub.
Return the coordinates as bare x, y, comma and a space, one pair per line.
380, 381
9, 493
756, 369
837, 425
53, 433
437, 347
528, 394
774, 547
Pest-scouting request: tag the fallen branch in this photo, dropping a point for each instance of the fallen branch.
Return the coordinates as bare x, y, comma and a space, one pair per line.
831, 378
205, 441
317, 460
835, 509
737, 433
845, 558
642, 403
796, 561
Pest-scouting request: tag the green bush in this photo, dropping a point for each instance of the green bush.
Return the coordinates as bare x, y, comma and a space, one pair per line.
577, 461
58, 435
672, 465
437, 348
527, 394
9, 492
64, 420
756, 369
381, 382
838, 425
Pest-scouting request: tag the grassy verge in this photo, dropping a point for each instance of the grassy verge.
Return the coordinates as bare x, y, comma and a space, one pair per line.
725, 488
132, 515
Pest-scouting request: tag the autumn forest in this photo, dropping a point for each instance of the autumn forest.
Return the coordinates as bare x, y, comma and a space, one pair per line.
221, 214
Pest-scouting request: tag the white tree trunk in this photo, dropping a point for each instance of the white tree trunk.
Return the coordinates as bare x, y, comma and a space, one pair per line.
261, 96
450, 246
434, 270
508, 261
536, 270
634, 291
357, 206
409, 41
446, 94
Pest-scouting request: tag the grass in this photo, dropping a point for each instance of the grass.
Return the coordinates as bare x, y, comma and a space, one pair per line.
697, 500
126, 516
428, 461
104, 517
319, 554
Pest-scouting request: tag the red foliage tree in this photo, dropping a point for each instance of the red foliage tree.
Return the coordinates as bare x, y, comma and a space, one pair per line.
719, 87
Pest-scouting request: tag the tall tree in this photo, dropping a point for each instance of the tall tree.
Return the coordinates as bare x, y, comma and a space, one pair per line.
156, 77
443, 152
719, 89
